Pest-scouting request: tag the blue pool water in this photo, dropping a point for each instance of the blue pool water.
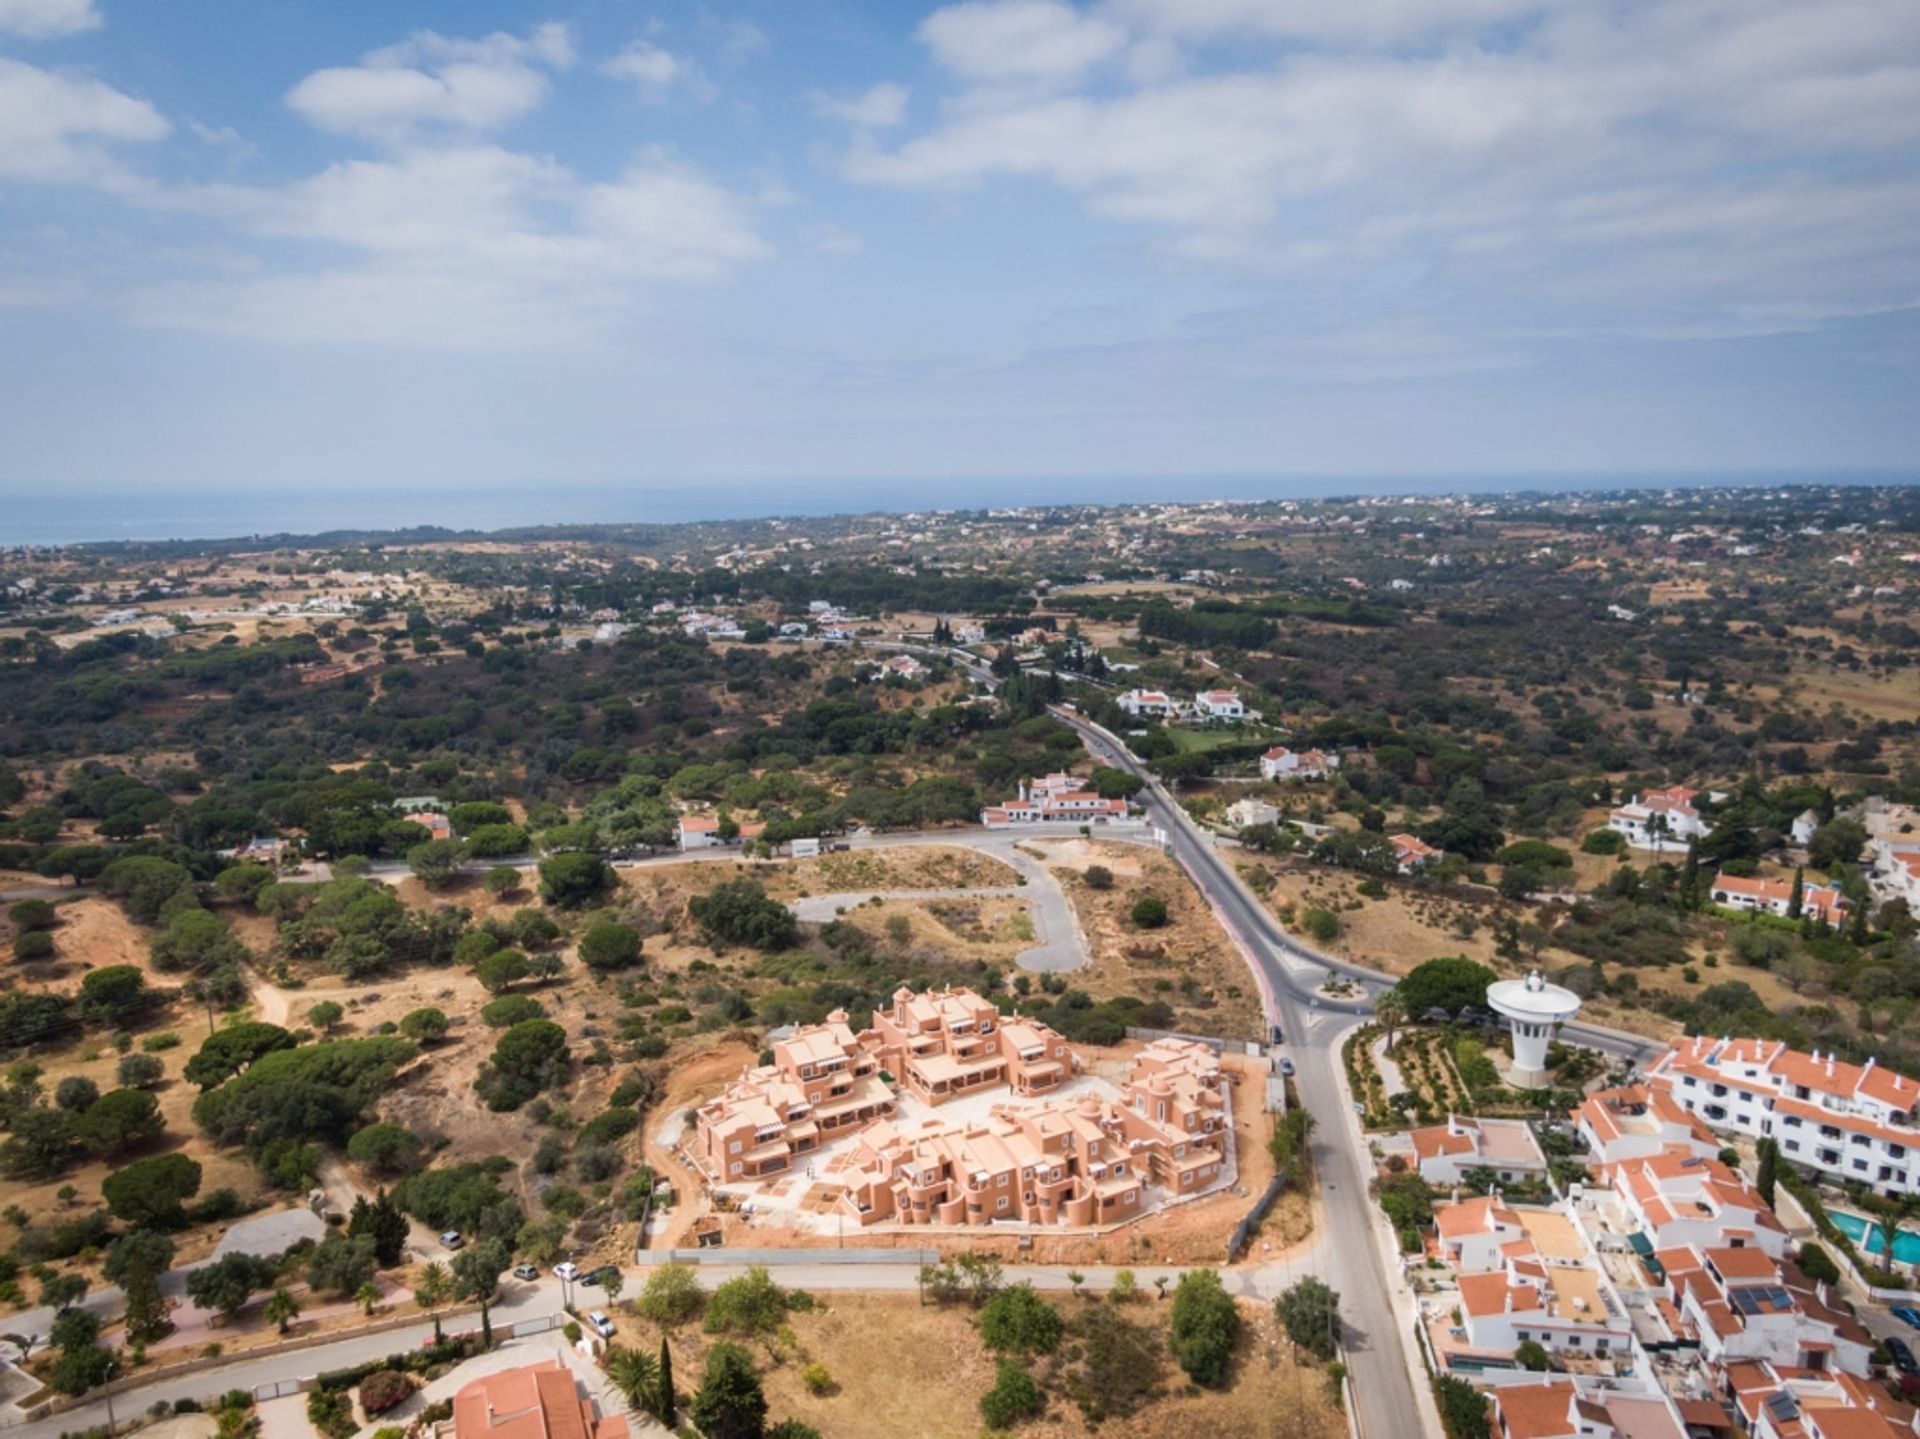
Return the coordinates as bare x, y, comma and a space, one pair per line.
1873, 1240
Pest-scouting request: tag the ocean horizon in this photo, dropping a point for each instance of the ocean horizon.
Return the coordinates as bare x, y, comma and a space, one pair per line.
153, 516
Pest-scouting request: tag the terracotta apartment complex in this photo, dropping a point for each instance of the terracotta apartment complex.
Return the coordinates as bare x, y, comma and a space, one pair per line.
1081, 1161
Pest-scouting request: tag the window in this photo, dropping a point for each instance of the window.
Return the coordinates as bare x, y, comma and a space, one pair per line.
1001, 1182
736, 1163
1127, 1198
734, 1148
1001, 1202
1574, 1341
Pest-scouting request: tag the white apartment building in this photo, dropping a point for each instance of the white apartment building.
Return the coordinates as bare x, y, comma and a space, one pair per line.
1843, 1121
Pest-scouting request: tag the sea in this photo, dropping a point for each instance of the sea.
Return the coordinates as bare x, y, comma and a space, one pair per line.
159, 513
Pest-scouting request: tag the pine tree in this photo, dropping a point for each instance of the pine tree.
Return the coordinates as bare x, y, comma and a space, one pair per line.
1768, 1173
1798, 898
669, 1411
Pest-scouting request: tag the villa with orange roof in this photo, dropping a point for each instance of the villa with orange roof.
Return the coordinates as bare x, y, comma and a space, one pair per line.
1411, 853
1842, 1120
1559, 1305
1635, 1121
1474, 1233
1741, 1304
1562, 1409
1824, 904
1895, 872
1283, 763
1223, 705
536, 1401
1677, 1199
1443, 1153
1660, 819
1782, 1402
1156, 703
696, 831
1055, 798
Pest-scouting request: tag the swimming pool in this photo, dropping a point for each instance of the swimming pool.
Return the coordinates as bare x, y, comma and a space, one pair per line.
1906, 1249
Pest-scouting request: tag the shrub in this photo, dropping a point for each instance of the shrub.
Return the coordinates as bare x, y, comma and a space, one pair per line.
610, 946
751, 1304
32, 914
1321, 925
1149, 912
671, 1295
818, 1381
424, 1025
1818, 1265
1532, 1355
32, 946
137, 1071
1205, 1325
1019, 1321
1098, 876
1603, 841
384, 1389
512, 1009
1014, 1396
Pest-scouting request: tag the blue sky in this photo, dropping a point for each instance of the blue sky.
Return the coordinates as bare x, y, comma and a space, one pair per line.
364, 246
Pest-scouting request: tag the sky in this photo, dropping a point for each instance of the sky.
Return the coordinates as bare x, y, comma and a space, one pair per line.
344, 250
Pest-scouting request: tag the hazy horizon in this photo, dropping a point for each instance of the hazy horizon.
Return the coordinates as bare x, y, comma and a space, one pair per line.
155, 516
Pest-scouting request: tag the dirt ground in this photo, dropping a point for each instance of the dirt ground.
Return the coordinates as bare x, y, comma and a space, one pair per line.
1189, 962
918, 867
900, 1368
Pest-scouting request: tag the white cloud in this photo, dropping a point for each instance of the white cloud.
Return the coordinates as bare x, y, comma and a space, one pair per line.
883, 105
831, 239
1454, 140
656, 72
58, 129
430, 81
463, 248
1020, 40
741, 41
48, 19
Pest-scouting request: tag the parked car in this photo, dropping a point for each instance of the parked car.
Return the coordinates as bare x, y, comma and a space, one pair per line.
1286, 1067
1274, 1036
525, 1271
599, 1276
566, 1269
452, 1240
1437, 1015
602, 1325
1907, 1315
1902, 1356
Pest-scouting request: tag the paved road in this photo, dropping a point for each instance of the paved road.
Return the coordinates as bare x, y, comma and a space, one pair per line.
518, 1301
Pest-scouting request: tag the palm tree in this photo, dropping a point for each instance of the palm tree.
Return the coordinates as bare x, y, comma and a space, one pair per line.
367, 1296
636, 1376
282, 1309
1390, 1010
433, 1293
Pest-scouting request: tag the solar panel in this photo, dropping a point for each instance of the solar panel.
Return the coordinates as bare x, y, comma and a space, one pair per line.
1781, 1405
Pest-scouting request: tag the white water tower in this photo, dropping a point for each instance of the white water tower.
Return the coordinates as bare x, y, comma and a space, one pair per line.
1536, 1009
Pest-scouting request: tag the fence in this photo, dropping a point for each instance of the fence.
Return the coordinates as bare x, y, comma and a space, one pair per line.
1219, 1046
519, 1329
1243, 1231
774, 1258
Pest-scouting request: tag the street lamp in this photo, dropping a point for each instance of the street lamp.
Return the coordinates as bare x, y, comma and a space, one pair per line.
113, 1367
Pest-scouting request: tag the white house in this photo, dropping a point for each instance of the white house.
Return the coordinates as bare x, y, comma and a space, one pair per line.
1637, 1122
1054, 798
1473, 1232
1564, 1307
1805, 825
1746, 1306
1155, 703
697, 831
1678, 1199
1284, 764
1896, 872
1411, 853
1223, 705
1780, 1402
1822, 903
1660, 819
1445, 1152
1244, 813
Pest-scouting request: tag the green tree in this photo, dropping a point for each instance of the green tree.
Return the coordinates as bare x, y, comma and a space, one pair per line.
1310, 1313
119, 1119
135, 1262
636, 1376
575, 879
740, 912
751, 1304
282, 1309
1149, 912
1452, 983
227, 1052
1767, 1173
668, 1410
433, 1291
227, 1283
326, 1014
1290, 1145
1014, 1396
476, 1277
1532, 1354
610, 946
526, 1059
671, 1296
1204, 1326
729, 1403
1818, 1265
1019, 1321
1390, 1012
436, 864
426, 1026
383, 1225
501, 970
387, 1148
116, 994
152, 1192
341, 1263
